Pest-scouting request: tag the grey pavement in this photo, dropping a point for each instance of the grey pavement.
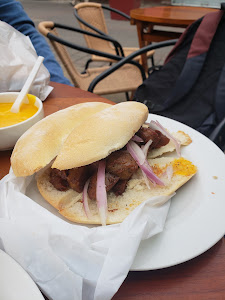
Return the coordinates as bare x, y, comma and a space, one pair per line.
61, 11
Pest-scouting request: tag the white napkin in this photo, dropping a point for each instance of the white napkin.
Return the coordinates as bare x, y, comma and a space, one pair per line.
18, 57
70, 261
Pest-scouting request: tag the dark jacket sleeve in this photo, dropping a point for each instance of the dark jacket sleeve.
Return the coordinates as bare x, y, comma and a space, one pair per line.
12, 12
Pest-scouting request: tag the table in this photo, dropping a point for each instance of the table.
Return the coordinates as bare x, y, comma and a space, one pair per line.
146, 18
199, 278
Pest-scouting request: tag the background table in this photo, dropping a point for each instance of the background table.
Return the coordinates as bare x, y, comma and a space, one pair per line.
200, 278
173, 16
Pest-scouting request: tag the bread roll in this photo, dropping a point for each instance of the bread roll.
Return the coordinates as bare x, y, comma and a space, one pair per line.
42, 142
107, 131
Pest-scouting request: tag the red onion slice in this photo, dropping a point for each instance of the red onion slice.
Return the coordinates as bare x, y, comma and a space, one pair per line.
150, 174
137, 139
85, 200
136, 152
146, 180
142, 163
146, 147
169, 172
101, 194
155, 125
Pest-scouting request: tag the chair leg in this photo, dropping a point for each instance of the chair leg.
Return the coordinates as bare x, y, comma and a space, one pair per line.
86, 66
132, 95
127, 96
152, 59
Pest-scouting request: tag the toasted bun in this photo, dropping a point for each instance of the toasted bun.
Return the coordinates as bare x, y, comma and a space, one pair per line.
107, 131
70, 206
43, 141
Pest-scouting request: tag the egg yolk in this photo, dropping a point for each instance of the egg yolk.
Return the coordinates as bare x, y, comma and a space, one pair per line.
8, 118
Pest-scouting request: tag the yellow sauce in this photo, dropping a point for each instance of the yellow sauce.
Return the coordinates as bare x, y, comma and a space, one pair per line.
158, 170
7, 118
183, 167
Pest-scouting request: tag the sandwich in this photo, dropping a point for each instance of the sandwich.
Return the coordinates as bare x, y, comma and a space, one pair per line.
105, 164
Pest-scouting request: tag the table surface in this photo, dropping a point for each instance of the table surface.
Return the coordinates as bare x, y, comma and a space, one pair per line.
199, 278
170, 15
146, 19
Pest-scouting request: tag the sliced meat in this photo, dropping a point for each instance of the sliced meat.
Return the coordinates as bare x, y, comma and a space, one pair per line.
110, 181
158, 139
58, 179
149, 134
92, 187
163, 140
77, 178
121, 164
120, 187
93, 167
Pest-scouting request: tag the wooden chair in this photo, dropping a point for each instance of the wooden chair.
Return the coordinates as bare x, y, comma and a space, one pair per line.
90, 16
125, 79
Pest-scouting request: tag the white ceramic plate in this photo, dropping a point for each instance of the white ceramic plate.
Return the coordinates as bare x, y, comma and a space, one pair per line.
15, 283
196, 219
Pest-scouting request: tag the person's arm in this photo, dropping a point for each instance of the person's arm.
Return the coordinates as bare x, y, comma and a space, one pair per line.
12, 12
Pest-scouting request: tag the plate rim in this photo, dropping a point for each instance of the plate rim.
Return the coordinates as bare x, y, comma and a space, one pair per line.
26, 277
220, 235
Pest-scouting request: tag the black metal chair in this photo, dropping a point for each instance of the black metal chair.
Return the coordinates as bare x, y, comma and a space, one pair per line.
218, 134
104, 80
90, 17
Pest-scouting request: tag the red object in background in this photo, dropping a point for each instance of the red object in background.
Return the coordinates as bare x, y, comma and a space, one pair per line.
124, 6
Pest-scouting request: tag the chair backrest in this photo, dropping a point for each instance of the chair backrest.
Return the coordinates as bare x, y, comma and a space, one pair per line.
92, 13
126, 80
48, 27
